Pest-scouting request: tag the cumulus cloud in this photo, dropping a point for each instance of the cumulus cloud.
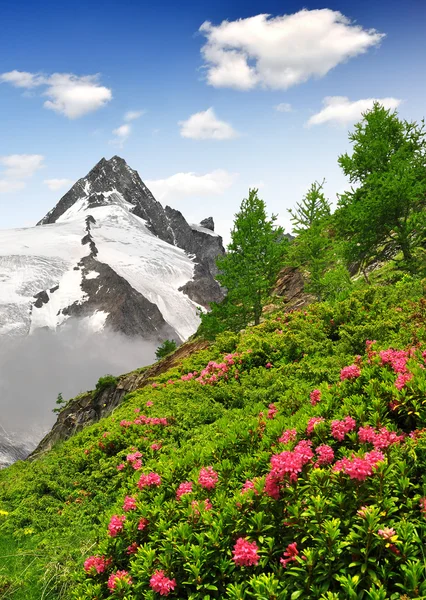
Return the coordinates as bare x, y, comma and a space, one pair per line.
283, 107
205, 125
22, 79
279, 52
192, 184
70, 95
132, 115
57, 184
341, 111
17, 168
21, 166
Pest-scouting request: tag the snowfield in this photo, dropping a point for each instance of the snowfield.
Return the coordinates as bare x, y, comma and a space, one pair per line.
38, 259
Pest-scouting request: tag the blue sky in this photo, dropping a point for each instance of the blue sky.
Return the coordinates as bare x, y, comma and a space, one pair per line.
154, 60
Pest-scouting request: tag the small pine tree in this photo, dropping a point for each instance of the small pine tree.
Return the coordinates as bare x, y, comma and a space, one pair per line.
60, 402
167, 347
313, 208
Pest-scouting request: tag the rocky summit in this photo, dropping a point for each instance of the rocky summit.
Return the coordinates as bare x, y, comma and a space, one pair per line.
109, 253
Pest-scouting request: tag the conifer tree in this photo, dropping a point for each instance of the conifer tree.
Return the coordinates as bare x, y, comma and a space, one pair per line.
385, 212
250, 267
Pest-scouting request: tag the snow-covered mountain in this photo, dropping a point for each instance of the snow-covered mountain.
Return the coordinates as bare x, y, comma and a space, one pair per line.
110, 254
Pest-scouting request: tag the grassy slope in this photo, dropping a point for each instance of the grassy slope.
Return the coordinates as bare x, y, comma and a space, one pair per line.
59, 507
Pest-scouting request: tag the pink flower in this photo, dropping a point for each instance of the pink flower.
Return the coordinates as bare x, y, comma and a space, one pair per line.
397, 359
304, 450
340, 428
423, 504
315, 397
184, 488
137, 464
96, 564
387, 533
359, 468
288, 436
125, 423
313, 421
350, 372
152, 479
245, 553
325, 454
118, 576
268, 365
129, 504
116, 525
132, 457
150, 402
208, 478
380, 439
272, 411
402, 379
363, 512
162, 584
249, 485
197, 506
156, 446
143, 523
272, 488
120, 467
132, 549
290, 554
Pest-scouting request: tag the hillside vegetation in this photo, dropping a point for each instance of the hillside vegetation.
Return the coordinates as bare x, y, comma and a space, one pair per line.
284, 461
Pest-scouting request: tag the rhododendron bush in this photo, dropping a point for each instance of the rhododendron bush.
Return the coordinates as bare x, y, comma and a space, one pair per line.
286, 462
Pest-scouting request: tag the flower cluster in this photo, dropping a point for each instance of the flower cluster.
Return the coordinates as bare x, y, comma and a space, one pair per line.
290, 554
245, 553
340, 428
350, 372
386, 533
315, 397
162, 584
184, 488
249, 485
289, 435
116, 577
152, 479
116, 525
197, 506
286, 466
359, 468
380, 439
397, 359
208, 478
325, 455
272, 411
129, 504
313, 421
96, 564
143, 420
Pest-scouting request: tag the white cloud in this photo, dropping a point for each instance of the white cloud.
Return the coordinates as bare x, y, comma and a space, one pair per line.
192, 184
340, 110
22, 79
17, 168
121, 134
57, 184
283, 107
279, 52
21, 166
205, 125
132, 115
70, 95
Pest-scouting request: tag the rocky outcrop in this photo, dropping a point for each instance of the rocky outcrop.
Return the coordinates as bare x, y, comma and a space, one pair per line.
92, 406
290, 287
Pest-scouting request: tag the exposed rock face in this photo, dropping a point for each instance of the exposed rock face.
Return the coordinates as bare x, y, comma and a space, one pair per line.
291, 287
